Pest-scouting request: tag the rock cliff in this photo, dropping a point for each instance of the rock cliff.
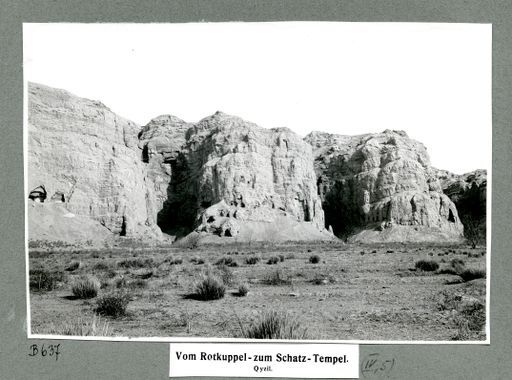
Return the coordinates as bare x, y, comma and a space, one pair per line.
87, 158
232, 178
224, 178
381, 187
469, 193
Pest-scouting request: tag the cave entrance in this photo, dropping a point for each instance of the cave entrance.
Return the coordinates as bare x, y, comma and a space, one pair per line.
451, 217
38, 194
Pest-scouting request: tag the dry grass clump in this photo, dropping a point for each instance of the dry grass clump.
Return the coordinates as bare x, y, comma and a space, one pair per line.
426, 265
209, 288
457, 266
277, 278
227, 261
102, 266
252, 260
243, 289
447, 270
174, 261
275, 325
44, 280
197, 260
457, 263
86, 287
136, 263
113, 304
470, 320
467, 314
472, 274
73, 266
314, 259
273, 260
226, 274
94, 326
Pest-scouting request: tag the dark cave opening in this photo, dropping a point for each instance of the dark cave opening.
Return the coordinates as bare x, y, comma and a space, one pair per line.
178, 214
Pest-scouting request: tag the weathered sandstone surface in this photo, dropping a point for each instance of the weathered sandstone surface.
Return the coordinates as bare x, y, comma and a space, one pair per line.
381, 187
87, 156
232, 178
227, 178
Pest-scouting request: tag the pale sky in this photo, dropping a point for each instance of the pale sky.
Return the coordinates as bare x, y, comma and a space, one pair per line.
431, 80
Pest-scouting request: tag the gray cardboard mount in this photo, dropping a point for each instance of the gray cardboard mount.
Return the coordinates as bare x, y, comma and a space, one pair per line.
130, 360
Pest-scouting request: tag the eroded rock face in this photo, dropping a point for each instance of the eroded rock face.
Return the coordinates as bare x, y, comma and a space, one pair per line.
224, 177
229, 172
87, 157
162, 141
374, 185
469, 193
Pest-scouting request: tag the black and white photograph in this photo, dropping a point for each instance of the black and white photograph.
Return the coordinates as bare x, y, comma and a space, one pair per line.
232, 181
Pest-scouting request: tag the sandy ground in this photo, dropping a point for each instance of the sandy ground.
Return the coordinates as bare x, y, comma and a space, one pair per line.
355, 292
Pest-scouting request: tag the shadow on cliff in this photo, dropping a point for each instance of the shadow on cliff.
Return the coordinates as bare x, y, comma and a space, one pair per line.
340, 210
471, 207
178, 214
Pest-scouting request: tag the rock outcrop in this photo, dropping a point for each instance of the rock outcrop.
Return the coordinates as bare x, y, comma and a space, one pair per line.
93, 174
381, 187
232, 178
87, 159
469, 193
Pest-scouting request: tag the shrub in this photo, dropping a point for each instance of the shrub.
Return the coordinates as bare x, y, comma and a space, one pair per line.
113, 304
277, 278
101, 266
273, 260
243, 290
469, 320
275, 325
314, 259
227, 261
43, 280
457, 264
209, 288
80, 327
197, 260
472, 274
175, 261
252, 260
427, 265
136, 263
226, 275
74, 265
86, 287
447, 271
